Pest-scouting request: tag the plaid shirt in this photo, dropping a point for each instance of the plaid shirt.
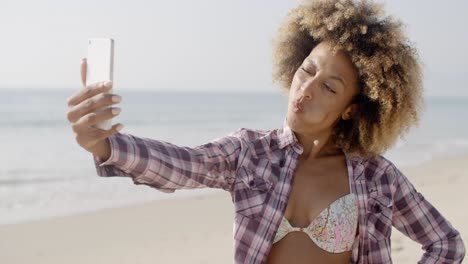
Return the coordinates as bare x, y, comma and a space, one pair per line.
257, 168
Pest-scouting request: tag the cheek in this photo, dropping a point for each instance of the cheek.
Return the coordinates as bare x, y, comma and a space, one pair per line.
296, 81
294, 88
324, 111
333, 113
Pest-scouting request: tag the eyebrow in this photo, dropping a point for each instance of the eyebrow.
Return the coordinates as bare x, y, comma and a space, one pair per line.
335, 77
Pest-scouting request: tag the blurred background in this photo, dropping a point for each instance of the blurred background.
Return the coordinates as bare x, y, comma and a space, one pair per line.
188, 72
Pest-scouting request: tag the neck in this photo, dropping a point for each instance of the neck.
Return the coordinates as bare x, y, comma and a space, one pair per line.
316, 145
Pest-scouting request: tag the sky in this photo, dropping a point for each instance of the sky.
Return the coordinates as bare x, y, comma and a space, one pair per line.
210, 45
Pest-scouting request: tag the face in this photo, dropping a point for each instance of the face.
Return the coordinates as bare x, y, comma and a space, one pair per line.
323, 88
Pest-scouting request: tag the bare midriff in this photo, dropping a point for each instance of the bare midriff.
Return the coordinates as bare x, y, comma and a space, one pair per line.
298, 248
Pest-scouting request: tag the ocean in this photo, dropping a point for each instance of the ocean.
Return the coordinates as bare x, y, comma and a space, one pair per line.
44, 173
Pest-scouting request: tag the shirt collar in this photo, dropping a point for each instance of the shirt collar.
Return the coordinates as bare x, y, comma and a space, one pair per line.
287, 137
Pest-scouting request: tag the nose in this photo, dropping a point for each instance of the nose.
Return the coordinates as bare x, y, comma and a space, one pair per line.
308, 87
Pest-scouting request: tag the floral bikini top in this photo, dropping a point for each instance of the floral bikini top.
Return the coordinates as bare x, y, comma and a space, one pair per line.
333, 229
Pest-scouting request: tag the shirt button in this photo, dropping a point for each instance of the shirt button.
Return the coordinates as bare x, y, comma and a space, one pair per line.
377, 208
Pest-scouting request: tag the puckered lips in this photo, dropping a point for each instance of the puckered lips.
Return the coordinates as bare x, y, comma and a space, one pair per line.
297, 107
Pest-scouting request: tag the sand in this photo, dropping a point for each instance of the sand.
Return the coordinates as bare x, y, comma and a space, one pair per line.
197, 229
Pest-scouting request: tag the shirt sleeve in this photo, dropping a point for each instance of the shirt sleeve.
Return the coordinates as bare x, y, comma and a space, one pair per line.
168, 167
415, 217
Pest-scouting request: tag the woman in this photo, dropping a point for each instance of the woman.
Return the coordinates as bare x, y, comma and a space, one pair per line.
318, 189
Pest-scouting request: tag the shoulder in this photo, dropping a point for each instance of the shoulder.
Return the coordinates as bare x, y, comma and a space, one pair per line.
250, 134
259, 143
255, 136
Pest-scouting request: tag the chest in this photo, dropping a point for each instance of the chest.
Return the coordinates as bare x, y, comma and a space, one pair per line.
316, 185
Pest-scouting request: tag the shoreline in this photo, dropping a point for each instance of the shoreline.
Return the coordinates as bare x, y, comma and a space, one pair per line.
161, 230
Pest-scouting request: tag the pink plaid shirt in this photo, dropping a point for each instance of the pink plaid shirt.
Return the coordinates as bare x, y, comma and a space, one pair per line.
257, 168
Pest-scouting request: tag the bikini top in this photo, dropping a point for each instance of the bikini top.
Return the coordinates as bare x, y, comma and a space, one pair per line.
333, 229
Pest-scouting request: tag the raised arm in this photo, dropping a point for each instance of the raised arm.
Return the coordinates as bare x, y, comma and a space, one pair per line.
415, 217
168, 167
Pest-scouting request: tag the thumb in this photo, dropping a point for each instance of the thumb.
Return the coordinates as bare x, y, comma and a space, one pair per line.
113, 130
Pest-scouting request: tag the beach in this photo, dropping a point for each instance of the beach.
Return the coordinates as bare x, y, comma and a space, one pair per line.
198, 229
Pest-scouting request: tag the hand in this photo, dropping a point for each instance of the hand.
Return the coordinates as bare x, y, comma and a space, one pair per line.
83, 114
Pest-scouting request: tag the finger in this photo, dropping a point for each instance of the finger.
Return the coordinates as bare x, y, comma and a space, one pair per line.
93, 118
91, 104
103, 134
89, 92
83, 71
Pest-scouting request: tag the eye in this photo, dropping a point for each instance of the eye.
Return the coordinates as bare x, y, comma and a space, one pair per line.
302, 68
328, 88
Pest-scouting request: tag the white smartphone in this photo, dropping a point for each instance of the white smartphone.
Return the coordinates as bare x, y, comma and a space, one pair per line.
100, 67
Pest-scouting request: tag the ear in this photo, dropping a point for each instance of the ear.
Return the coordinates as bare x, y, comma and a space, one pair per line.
349, 112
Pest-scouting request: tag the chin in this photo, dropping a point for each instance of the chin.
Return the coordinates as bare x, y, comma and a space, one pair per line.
295, 121
300, 120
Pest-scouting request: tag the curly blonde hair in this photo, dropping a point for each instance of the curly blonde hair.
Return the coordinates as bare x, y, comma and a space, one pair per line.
390, 78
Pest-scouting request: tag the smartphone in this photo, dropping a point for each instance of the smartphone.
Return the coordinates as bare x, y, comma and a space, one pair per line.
100, 67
